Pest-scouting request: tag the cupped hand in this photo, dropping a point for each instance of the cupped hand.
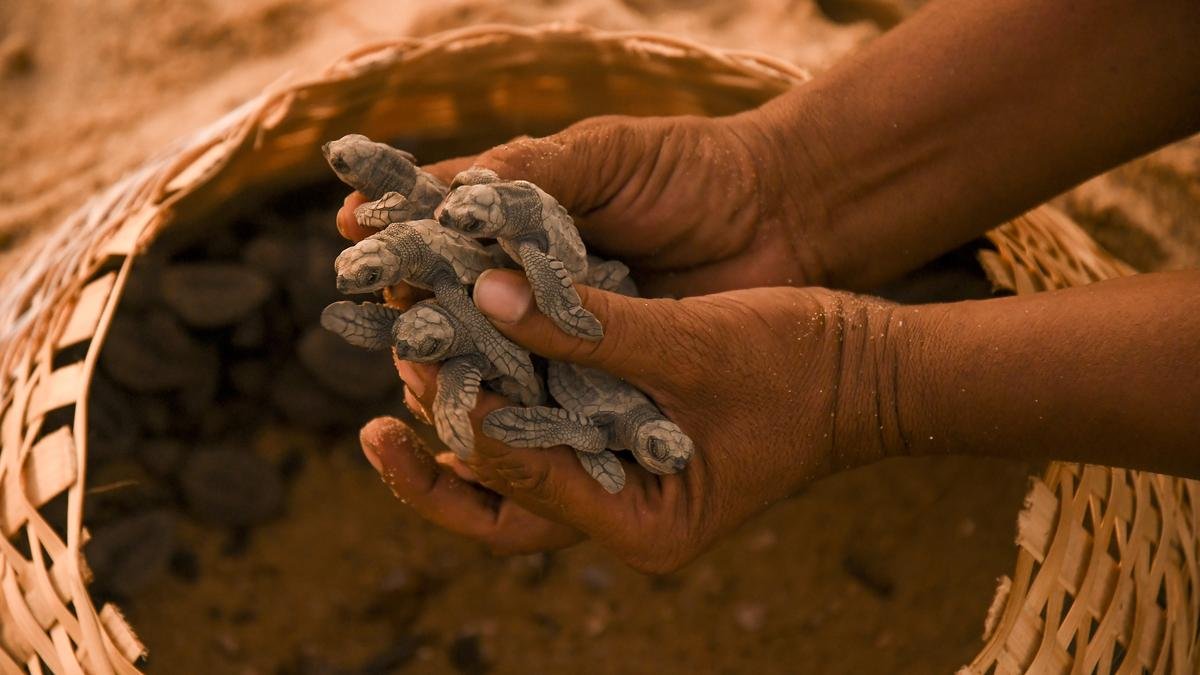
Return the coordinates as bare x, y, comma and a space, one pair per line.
776, 387
693, 205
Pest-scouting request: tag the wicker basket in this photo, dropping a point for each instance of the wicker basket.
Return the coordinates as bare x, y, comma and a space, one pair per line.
1106, 576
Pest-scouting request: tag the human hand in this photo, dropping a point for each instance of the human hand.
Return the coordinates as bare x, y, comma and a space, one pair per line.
776, 387
693, 205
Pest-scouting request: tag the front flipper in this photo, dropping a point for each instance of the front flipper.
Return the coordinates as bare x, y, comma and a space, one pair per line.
605, 468
555, 295
457, 391
544, 427
504, 355
393, 207
367, 325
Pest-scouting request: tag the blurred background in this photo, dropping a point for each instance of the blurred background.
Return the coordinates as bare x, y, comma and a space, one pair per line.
885, 569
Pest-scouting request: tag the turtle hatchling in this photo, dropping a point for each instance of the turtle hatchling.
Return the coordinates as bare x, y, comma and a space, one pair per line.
536, 231
427, 333
598, 411
377, 169
425, 255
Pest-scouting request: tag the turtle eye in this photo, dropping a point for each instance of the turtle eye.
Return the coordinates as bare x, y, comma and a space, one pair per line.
428, 346
658, 449
370, 277
340, 165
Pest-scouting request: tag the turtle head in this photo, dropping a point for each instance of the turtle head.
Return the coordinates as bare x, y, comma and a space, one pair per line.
423, 334
475, 211
476, 175
368, 266
350, 157
662, 447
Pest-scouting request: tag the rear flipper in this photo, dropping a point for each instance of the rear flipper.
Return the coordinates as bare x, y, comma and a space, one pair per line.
367, 325
605, 468
555, 295
609, 275
544, 427
457, 391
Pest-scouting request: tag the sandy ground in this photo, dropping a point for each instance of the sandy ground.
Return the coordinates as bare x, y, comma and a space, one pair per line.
888, 569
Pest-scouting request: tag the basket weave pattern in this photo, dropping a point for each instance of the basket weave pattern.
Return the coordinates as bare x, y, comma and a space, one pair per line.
1106, 558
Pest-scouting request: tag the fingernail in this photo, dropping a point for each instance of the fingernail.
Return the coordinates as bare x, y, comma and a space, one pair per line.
372, 455
502, 295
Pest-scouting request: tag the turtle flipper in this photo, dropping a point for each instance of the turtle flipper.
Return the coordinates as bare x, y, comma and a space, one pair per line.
393, 207
504, 355
457, 391
605, 467
367, 325
544, 427
427, 193
555, 295
609, 275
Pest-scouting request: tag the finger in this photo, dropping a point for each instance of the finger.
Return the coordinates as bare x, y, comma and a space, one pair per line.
583, 166
403, 296
440, 497
641, 335
451, 461
347, 224
417, 408
447, 169
420, 379
550, 481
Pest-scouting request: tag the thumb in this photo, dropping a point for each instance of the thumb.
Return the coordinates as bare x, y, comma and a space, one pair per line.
638, 342
584, 166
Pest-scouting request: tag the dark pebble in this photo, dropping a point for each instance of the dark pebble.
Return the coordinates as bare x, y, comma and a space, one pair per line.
274, 255
393, 658
184, 565
312, 285
113, 424
303, 402
160, 456
211, 295
153, 353
466, 654
349, 372
120, 487
250, 377
129, 554
868, 569
231, 487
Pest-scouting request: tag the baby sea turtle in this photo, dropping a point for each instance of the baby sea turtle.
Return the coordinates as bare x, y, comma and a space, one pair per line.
535, 230
598, 411
425, 255
376, 169
427, 333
